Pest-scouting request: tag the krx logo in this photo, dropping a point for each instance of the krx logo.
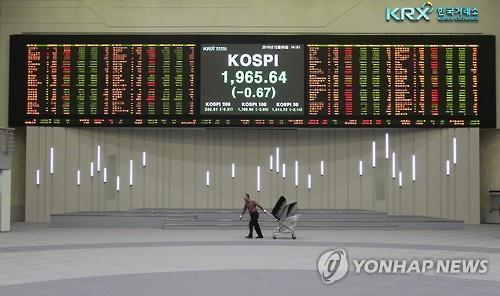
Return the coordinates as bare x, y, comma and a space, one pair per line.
413, 14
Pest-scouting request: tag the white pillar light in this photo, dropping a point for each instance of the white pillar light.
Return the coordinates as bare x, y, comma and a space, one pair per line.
105, 176
233, 170
258, 178
361, 168
393, 165
400, 179
322, 168
271, 162
283, 171
277, 159
131, 173
91, 169
208, 179
454, 150
51, 160
144, 158
37, 177
309, 185
413, 168
386, 146
296, 173
117, 183
98, 158
447, 168
374, 161
78, 177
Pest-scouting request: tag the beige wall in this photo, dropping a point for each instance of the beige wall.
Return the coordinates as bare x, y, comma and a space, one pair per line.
319, 16
177, 161
490, 166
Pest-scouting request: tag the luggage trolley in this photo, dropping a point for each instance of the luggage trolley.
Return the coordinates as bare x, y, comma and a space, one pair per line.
286, 216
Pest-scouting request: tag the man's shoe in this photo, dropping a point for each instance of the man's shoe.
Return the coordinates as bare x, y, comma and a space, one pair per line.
260, 236
248, 236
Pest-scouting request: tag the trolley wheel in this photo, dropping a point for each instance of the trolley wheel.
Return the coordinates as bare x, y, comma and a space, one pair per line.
274, 236
293, 236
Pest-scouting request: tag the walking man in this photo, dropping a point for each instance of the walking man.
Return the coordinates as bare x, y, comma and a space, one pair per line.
251, 205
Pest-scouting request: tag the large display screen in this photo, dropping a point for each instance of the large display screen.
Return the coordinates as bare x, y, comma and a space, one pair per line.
250, 80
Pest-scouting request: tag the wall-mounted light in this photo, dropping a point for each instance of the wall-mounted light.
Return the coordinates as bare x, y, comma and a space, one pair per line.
277, 159
117, 183
78, 177
37, 177
258, 178
98, 158
386, 146
447, 168
283, 171
144, 158
51, 164
309, 183
105, 176
271, 162
413, 168
208, 179
91, 169
361, 168
322, 168
296, 173
374, 161
131, 173
400, 179
233, 170
393, 165
454, 150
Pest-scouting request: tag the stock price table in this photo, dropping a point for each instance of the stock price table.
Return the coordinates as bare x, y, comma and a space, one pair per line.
252, 80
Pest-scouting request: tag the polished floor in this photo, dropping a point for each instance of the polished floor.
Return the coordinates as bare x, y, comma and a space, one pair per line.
37, 260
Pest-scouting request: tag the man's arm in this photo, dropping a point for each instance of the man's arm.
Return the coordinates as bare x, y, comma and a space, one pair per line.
243, 211
258, 205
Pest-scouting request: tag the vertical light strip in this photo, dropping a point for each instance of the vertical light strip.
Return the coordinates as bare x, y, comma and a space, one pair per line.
51, 165
131, 173
105, 177
413, 168
271, 162
98, 158
400, 179
361, 168
117, 183
91, 169
277, 159
374, 147
454, 150
393, 165
447, 168
296, 173
37, 179
258, 178
322, 168
78, 177
144, 158
386, 146
283, 171
309, 185
233, 170
208, 179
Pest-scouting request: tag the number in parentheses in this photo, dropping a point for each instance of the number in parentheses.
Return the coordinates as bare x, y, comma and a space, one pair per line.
233, 92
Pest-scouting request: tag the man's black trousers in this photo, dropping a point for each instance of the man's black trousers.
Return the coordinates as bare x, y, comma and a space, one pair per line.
254, 221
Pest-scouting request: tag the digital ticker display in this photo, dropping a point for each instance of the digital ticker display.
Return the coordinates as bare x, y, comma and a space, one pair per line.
249, 80
254, 79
